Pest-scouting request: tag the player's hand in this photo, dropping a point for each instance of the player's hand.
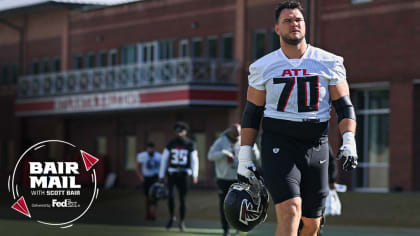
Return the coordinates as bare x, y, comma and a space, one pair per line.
228, 154
195, 180
245, 164
162, 180
348, 151
141, 179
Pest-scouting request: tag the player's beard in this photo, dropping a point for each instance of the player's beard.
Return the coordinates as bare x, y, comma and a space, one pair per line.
291, 41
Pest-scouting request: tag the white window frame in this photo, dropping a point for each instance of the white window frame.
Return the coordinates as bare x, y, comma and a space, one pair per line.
222, 54
360, 1
366, 88
87, 66
83, 63
149, 46
212, 37
254, 42
163, 45
110, 54
181, 43
194, 40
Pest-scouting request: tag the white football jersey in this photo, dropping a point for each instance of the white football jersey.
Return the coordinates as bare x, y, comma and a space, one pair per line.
297, 89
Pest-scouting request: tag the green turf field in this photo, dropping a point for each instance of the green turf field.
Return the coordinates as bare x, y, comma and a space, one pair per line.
121, 212
200, 228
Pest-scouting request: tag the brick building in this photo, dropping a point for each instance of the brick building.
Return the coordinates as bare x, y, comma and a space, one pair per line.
111, 78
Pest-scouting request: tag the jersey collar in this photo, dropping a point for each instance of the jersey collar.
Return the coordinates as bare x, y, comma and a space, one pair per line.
295, 62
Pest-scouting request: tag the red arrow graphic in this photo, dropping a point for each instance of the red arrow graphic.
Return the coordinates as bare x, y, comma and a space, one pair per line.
20, 206
89, 160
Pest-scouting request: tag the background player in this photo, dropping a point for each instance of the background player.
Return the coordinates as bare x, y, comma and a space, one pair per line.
148, 163
179, 160
223, 153
292, 88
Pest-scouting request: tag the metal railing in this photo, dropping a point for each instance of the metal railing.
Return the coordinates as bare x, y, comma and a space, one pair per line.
162, 73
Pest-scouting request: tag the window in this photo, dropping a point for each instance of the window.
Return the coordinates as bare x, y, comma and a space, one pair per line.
372, 110
259, 44
13, 73
166, 49
35, 67
197, 47
227, 47
274, 41
360, 1
130, 152
5, 75
183, 48
102, 59
129, 54
212, 47
46, 67
56, 67
101, 145
112, 60
78, 62
91, 60
148, 51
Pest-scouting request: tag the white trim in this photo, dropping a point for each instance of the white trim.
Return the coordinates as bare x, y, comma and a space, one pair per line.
370, 164
373, 111
112, 52
372, 190
373, 85
360, 1
416, 81
145, 90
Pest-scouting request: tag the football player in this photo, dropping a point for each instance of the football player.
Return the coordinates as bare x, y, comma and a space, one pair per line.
223, 153
179, 160
291, 90
148, 163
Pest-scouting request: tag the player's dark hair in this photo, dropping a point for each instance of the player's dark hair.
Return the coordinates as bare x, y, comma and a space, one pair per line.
150, 144
290, 4
181, 126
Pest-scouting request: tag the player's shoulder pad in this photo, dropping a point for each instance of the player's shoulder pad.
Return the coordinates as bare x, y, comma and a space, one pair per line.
325, 56
256, 70
263, 62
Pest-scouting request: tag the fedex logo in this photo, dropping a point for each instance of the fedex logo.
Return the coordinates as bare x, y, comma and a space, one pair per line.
294, 72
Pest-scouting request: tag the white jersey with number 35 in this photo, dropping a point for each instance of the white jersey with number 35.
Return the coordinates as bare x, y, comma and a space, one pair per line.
297, 89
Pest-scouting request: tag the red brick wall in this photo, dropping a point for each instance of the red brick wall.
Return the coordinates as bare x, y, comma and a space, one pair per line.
401, 135
376, 41
120, 26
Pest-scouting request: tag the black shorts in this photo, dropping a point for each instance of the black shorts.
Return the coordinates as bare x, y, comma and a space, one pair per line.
180, 181
295, 163
148, 182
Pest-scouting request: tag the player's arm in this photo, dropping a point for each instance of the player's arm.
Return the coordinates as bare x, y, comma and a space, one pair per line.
219, 150
251, 118
346, 116
163, 165
138, 168
139, 172
194, 166
252, 115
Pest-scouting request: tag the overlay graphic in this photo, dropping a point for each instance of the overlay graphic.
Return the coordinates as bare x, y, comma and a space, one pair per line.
54, 183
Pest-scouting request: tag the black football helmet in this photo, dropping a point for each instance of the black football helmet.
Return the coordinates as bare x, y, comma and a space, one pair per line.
157, 192
246, 204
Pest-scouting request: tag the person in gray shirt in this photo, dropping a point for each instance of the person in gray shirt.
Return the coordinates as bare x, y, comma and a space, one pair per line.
224, 153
